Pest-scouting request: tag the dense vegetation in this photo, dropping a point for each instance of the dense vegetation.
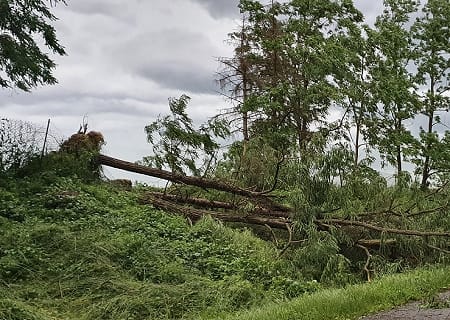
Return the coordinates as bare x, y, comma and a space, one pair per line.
72, 249
75, 246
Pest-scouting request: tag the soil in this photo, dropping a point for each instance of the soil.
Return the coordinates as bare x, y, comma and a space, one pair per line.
433, 309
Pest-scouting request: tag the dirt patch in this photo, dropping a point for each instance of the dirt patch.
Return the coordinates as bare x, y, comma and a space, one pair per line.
437, 308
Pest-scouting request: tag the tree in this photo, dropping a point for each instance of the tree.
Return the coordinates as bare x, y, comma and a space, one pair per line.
235, 78
354, 85
431, 33
23, 63
178, 145
297, 56
393, 88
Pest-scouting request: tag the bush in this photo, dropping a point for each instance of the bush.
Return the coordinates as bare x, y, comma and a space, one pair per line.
19, 142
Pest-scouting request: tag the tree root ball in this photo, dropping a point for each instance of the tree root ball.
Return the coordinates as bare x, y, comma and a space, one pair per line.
79, 142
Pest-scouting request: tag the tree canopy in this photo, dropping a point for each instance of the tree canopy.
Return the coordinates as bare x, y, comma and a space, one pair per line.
23, 26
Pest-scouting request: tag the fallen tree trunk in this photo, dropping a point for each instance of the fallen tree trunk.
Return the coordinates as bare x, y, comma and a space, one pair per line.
206, 203
369, 226
189, 180
196, 214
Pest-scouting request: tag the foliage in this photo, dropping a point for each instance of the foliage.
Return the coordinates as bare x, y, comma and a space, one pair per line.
294, 53
23, 62
296, 61
180, 145
431, 33
395, 99
252, 163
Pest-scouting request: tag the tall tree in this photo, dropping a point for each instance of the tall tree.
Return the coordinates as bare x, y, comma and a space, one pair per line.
393, 88
235, 77
264, 33
354, 84
432, 47
299, 57
23, 63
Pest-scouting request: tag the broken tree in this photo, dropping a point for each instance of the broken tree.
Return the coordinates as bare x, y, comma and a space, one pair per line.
256, 208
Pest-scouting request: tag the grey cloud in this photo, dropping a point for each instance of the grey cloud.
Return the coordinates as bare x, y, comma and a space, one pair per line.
110, 8
94, 7
182, 77
68, 96
174, 59
220, 8
78, 105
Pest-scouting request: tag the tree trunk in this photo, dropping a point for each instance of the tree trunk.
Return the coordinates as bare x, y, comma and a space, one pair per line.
193, 181
399, 161
426, 164
196, 214
358, 128
206, 203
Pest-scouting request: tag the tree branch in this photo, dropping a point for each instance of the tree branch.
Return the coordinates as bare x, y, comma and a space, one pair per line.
366, 265
384, 230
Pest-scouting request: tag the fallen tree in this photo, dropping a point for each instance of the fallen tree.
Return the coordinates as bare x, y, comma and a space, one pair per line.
260, 208
212, 204
196, 214
259, 197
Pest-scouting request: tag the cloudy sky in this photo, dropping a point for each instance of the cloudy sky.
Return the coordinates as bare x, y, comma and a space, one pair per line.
125, 59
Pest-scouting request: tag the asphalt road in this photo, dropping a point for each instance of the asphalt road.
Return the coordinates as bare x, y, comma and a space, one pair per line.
416, 311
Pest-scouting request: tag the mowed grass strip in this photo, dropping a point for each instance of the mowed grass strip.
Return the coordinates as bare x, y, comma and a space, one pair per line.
357, 300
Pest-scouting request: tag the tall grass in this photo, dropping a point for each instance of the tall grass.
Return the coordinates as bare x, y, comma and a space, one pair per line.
354, 301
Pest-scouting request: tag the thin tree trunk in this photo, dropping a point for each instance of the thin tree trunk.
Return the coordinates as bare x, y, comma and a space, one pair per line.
244, 69
426, 164
399, 161
358, 128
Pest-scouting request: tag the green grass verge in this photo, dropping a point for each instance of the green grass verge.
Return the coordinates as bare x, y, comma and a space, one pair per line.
354, 301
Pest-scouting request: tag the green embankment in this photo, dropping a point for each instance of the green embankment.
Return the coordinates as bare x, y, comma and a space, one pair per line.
71, 250
76, 250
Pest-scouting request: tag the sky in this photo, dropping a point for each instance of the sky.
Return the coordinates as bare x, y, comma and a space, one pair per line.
125, 60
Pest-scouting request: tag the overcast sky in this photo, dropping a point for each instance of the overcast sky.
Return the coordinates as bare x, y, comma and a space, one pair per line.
125, 59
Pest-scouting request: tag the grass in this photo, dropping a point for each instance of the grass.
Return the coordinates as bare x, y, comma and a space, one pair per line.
73, 248
354, 301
